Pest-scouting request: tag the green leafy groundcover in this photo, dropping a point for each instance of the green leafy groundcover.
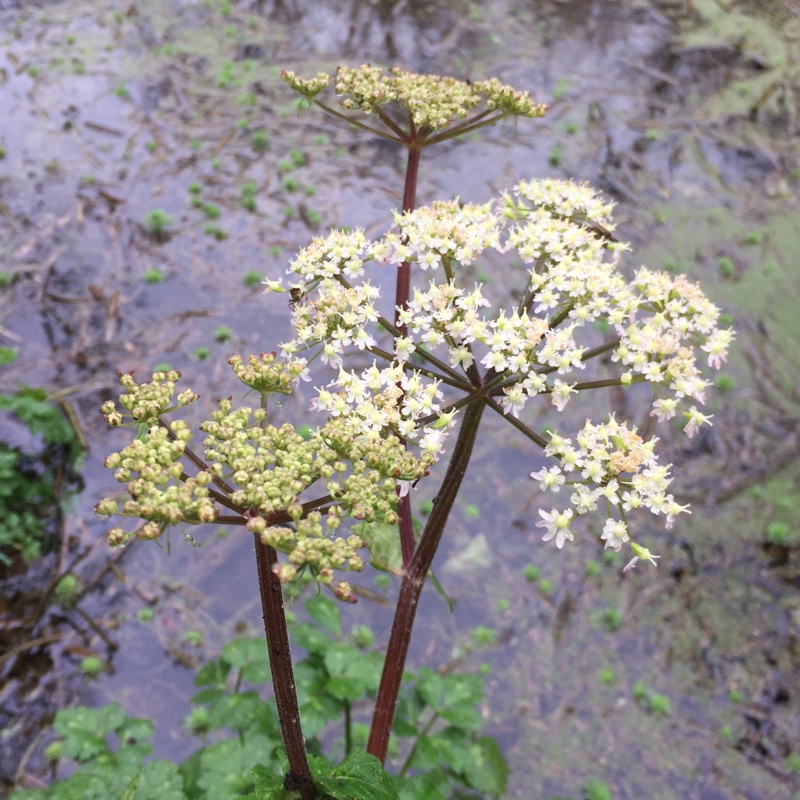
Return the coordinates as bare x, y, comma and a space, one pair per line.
29, 495
438, 750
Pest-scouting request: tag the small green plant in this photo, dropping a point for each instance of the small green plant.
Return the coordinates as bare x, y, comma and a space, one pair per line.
612, 619
778, 534
248, 196
652, 135
561, 89
296, 158
471, 511
33, 72
607, 676
211, 211
145, 614
735, 696
313, 217
215, 232
723, 384
483, 636
545, 586
202, 353
289, 184
259, 141
91, 666
596, 789
3, 153
571, 128
253, 278
122, 92
531, 573
659, 705
67, 590
157, 224
193, 638
554, 159
8, 355
195, 188
153, 275
222, 334
754, 237
726, 268
151, 146
593, 568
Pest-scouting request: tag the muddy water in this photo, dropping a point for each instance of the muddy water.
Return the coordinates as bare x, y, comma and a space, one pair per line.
685, 114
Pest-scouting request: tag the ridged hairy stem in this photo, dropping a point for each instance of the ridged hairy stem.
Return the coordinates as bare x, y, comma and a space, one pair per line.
401, 301
280, 664
413, 581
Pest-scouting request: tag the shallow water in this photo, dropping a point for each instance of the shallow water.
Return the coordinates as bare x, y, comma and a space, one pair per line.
108, 111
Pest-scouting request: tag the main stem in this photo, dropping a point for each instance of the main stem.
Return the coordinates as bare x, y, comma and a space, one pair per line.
280, 663
401, 301
414, 580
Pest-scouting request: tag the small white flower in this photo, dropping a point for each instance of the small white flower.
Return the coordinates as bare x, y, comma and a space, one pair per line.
551, 479
557, 524
615, 534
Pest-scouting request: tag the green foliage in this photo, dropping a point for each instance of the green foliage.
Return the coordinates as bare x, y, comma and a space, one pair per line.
778, 533
437, 724
596, 789
29, 490
253, 279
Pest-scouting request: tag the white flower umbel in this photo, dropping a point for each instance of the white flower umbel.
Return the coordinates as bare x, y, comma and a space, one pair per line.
563, 232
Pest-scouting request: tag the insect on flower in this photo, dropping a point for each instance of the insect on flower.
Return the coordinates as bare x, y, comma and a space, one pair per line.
296, 295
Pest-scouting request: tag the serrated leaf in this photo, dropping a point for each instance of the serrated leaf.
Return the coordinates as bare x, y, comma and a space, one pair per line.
268, 785
311, 638
130, 790
160, 780
250, 656
326, 612
359, 776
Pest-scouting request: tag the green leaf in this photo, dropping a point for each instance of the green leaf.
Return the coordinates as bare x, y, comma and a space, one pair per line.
160, 780
130, 791
383, 541
311, 638
439, 588
326, 612
359, 776
268, 785
250, 656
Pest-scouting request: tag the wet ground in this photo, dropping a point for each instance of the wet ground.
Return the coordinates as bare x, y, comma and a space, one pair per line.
685, 113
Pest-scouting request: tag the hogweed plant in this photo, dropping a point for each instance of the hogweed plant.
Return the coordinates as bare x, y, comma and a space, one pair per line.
446, 356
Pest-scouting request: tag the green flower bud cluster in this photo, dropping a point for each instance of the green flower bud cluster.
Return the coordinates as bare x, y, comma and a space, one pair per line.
269, 467
310, 87
146, 403
265, 375
432, 100
376, 464
309, 547
152, 469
